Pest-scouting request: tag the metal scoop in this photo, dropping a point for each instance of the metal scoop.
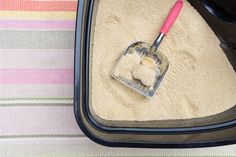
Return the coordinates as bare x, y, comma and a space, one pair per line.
143, 49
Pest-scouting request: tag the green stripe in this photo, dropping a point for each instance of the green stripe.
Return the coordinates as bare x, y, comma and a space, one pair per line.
41, 136
19, 39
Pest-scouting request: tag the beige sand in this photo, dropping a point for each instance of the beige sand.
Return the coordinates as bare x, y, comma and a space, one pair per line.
200, 81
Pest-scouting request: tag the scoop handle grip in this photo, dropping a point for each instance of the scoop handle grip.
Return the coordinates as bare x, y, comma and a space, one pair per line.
173, 14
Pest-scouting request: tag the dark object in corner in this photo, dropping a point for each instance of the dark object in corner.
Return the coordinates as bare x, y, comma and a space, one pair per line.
221, 17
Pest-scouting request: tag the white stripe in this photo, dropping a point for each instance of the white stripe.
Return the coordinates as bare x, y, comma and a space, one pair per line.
38, 120
16, 58
78, 147
26, 101
32, 29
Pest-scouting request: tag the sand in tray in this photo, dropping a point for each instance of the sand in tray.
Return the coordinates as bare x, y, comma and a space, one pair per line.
200, 81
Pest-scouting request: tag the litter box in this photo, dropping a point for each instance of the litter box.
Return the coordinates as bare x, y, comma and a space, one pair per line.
216, 130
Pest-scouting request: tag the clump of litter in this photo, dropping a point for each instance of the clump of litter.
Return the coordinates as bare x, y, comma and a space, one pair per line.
146, 72
148, 61
126, 64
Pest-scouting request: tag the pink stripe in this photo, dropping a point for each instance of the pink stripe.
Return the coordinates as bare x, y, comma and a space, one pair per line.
14, 24
36, 76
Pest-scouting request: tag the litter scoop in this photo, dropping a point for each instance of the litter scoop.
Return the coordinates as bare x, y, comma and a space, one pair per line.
142, 67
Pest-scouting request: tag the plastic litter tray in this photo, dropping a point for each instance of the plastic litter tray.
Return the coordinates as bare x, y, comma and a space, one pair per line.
214, 130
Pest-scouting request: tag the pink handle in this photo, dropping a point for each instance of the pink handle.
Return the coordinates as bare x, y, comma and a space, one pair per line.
173, 14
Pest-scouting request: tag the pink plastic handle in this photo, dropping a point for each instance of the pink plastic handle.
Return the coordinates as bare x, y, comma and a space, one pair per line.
173, 14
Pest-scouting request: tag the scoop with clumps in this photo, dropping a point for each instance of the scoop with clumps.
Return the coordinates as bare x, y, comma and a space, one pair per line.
142, 67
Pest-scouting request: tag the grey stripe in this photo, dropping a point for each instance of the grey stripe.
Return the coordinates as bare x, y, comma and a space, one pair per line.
41, 136
21, 39
36, 104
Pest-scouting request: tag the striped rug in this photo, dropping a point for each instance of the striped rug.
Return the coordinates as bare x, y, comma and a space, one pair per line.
36, 51
36, 86
36, 70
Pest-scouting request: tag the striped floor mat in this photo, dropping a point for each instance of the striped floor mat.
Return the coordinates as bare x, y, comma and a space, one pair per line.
36, 86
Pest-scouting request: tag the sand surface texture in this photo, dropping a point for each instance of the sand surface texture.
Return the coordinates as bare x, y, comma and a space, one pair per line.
200, 81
